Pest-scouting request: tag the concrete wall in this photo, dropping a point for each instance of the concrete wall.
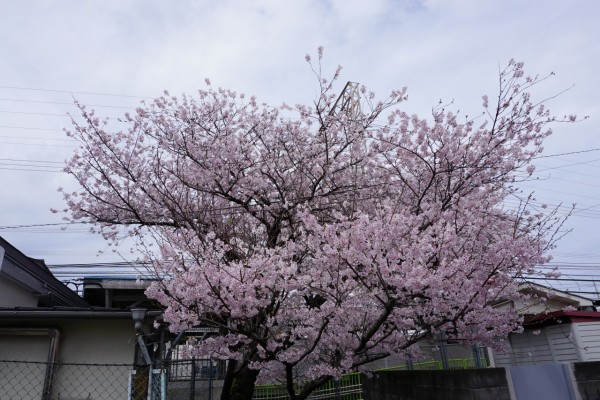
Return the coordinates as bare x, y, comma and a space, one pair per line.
474, 384
181, 390
587, 379
486, 384
24, 348
82, 342
99, 341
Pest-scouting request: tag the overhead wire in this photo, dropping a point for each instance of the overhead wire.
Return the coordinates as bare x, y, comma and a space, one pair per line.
63, 103
591, 214
34, 113
36, 138
38, 144
73, 92
566, 154
30, 128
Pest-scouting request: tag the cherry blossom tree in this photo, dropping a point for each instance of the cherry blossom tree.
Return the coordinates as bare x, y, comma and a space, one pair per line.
316, 239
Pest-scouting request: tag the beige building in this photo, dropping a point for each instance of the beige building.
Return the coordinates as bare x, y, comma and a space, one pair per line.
53, 344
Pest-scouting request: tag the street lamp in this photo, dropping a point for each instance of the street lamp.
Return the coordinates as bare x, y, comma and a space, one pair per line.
138, 315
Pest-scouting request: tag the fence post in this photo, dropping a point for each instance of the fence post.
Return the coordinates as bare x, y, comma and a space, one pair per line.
477, 356
150, 384
443, 353
193, 380
210, 378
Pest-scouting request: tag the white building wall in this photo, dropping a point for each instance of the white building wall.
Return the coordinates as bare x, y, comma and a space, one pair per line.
588, 339
536, 347
530, 348
563, 343
502, 359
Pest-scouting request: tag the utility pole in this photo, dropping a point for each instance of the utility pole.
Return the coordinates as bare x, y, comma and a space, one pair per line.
348, 101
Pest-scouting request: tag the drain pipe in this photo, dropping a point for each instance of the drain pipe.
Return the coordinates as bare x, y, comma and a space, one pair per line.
54, 335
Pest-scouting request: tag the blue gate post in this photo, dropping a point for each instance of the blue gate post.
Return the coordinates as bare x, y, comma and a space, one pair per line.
477, 356
443, 352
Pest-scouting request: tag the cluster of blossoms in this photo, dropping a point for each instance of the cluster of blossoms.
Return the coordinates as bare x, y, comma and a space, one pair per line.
327, 240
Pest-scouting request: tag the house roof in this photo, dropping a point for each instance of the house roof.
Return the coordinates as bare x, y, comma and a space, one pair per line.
48, 313
561, 317
552, 293
33, 275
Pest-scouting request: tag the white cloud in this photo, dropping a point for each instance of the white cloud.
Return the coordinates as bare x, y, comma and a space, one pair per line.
438, 48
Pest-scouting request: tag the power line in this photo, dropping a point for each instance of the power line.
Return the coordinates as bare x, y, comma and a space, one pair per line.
566, 154
30, 128
569, 165
29, 170
46, 224
30, 166
34, 113
561, 192
34, 161
580, 292
563, 279
64, 103
571, 263
37, 138
567, 171
37, 144
74, 92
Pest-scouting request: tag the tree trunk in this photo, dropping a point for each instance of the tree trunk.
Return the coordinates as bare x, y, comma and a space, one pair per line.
229, 377
241, 385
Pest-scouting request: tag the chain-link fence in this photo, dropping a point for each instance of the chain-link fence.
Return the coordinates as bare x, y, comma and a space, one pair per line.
193, 379
177, 380
20, 380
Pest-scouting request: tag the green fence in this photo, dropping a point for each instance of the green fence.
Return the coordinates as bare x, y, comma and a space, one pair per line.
455, 363
348, 387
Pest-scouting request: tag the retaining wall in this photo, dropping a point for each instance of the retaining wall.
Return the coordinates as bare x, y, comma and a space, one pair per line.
470, 384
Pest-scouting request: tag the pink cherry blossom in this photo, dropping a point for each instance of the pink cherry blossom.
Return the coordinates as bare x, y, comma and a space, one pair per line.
318, 240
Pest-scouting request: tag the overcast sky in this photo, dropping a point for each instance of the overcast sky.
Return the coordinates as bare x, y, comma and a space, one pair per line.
53, 52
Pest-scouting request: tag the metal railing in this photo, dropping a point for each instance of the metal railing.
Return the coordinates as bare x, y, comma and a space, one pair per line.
199, 369
349, 387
